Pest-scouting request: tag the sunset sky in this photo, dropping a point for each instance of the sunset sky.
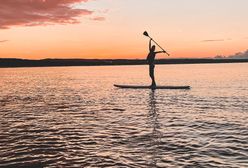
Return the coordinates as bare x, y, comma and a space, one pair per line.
37, 29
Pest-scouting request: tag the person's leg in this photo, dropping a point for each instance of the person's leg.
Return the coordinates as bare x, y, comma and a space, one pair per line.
151, 68
150, 72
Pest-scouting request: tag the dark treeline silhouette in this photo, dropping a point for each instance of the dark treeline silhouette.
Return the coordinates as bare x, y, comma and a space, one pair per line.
5, 62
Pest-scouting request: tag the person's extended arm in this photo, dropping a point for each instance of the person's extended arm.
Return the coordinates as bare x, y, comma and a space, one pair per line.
160, 52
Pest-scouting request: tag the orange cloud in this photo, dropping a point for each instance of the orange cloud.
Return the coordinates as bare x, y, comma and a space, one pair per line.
39, 12
3, 41
213, 40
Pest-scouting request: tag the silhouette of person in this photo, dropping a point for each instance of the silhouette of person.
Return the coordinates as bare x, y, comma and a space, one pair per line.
150, 59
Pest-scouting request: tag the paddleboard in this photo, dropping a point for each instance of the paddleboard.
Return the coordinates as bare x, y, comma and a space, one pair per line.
149, 87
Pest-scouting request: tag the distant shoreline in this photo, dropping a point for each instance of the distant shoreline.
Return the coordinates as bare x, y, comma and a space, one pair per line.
14, 63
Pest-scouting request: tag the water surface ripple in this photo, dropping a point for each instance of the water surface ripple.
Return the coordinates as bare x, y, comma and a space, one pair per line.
74, 117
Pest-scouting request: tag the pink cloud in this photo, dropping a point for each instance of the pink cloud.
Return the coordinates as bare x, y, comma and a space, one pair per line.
39, 12
98, 18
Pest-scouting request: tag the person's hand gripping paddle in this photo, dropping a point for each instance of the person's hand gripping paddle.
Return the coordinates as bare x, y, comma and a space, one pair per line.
146, 34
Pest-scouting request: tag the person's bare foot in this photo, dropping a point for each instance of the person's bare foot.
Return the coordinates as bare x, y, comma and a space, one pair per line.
153, 86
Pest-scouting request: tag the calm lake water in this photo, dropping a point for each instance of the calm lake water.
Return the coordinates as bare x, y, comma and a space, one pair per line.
74, 117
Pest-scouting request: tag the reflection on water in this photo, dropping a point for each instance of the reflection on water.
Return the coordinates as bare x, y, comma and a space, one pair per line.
74, 117
156, 135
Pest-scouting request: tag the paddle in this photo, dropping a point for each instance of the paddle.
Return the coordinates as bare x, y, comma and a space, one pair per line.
146, 34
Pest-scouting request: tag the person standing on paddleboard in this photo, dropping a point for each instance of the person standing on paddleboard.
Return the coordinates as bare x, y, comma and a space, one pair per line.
150, 60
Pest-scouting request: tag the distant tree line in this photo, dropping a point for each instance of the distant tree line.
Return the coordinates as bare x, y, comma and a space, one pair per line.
239, 55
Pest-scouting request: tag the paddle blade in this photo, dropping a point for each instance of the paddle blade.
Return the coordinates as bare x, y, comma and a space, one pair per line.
146, 34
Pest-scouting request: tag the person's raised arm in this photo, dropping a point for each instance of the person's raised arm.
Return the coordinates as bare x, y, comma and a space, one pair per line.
150, 44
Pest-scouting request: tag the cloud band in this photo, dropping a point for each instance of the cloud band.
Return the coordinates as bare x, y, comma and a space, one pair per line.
39, 12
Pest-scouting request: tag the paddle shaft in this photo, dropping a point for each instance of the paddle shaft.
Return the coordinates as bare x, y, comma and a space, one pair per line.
159, 46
